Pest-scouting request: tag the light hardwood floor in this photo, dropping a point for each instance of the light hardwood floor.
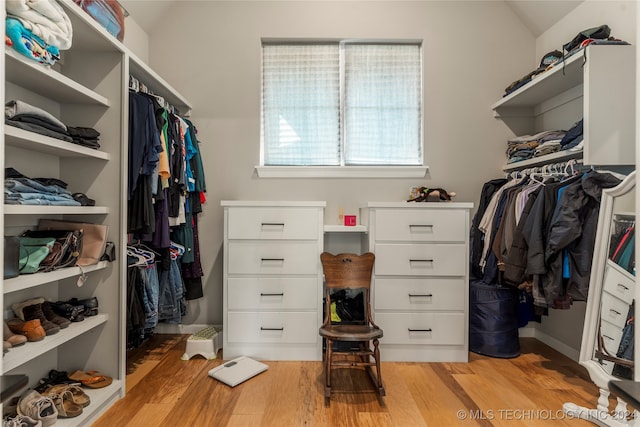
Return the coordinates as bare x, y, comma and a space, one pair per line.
529, 390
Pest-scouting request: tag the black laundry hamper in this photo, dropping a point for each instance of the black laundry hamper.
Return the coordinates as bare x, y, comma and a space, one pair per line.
493, 320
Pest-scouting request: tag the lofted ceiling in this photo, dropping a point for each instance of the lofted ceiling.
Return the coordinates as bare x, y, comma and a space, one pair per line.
537, 15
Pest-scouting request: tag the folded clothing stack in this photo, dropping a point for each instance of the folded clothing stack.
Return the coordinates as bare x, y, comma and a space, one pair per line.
38, 29
527, 146
33, 119
21, 190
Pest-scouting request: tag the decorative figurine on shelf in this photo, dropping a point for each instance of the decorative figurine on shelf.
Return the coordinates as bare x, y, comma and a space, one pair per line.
426, 194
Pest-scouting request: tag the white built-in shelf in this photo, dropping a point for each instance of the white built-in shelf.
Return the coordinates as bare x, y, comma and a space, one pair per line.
18, 356
560, 78
155, 83
25, 281
345, 228
54, 210
560, 156
21, 138
46, 81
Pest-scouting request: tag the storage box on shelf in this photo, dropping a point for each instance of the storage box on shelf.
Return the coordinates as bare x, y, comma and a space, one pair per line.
581, 87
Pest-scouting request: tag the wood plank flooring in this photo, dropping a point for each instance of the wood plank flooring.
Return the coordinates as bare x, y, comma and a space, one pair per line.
529, 390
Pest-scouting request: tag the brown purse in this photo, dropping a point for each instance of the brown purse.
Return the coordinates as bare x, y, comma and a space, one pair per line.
94, 238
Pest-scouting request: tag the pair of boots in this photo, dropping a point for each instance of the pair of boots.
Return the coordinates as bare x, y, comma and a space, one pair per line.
38, 308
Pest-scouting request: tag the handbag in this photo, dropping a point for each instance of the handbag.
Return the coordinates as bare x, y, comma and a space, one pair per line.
65, 251
33, 250
11, 257
94, 238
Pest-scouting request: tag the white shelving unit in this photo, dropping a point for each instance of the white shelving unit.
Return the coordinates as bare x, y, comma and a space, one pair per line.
583, 87
87, 88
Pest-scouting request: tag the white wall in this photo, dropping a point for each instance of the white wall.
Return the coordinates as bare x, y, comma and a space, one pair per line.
472, 51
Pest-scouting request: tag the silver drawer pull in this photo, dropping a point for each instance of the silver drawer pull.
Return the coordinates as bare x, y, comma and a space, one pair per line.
616, 312
620, 285
272, 259
420, 330
420, 295
420, 260
607, 337
272, 295
262, 328
420, 226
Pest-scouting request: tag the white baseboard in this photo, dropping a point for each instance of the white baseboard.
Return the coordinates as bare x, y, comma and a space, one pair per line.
572, 353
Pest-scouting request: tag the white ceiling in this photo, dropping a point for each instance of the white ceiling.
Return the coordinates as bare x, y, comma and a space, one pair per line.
537, 15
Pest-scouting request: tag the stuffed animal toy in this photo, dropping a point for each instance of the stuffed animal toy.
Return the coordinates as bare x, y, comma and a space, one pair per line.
433, 195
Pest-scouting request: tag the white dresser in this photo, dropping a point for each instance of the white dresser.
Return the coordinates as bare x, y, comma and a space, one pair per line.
421, 279
272, 295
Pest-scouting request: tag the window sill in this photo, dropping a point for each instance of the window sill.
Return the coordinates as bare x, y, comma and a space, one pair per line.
342, 171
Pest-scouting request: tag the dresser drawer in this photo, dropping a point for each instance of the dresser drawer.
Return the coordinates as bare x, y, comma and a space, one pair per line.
420, 259
441, 293
285, 328
611, 336
258, 293
618, 282
297, 223
422, 328
421, 225
614, 310
273, 257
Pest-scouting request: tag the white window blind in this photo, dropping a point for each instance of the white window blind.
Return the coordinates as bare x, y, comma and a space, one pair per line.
341, 104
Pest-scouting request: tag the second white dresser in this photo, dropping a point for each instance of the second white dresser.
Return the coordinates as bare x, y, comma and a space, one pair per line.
272, 291
421, 279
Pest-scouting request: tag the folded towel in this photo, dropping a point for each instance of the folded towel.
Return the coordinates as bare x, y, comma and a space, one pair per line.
44, 18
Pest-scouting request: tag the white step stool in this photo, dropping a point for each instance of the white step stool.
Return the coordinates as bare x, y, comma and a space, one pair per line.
205, 342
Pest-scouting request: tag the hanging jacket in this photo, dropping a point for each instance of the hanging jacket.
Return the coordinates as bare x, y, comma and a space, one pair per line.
573, 227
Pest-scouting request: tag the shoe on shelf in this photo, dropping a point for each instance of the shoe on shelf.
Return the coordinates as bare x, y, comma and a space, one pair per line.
31, 329
38, 407
77, 394
91, 379
21, 421
52, 316
19, 306
63, 400
74, 313
34, 311
90, 305
55, 378
13, 339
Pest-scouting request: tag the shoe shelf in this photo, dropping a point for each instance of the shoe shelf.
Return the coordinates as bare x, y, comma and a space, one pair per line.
24, 139
39, 79
26, 281
54, 210
18, 356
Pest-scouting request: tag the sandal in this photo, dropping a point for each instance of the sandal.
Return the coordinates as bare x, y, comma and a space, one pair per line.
79, 396
65, 405
91, 379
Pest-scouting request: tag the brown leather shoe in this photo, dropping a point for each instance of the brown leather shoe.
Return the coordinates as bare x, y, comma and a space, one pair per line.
32, 329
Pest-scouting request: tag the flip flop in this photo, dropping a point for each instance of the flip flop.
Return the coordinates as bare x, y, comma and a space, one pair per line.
91, 379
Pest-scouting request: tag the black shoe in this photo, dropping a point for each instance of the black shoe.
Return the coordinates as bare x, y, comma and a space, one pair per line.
75, 313
90, 305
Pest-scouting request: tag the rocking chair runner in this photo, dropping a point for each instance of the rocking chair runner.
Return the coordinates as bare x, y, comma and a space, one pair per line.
343, 272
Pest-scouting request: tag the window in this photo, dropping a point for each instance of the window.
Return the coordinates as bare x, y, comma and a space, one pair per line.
341, 104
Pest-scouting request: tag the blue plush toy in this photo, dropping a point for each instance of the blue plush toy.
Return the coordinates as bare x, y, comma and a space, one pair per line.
30, 45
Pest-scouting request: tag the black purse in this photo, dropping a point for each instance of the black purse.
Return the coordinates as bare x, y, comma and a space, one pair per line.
11, 257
